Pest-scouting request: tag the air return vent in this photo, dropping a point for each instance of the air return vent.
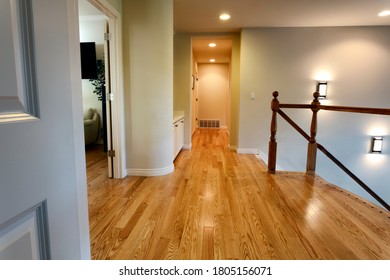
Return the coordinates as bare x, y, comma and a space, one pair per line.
209, 123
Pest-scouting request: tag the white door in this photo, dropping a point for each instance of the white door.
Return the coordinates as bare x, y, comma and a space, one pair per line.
43, 198
108, 122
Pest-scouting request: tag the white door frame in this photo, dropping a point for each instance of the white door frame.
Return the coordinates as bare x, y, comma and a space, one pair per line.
116, 66
77, 109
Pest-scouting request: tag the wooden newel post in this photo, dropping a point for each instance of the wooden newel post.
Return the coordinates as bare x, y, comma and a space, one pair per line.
312, 146
272, 147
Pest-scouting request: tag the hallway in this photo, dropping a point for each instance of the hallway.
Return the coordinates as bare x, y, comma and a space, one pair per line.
218, 204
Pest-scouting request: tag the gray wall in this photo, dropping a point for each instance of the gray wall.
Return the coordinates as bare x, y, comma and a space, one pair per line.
355, 60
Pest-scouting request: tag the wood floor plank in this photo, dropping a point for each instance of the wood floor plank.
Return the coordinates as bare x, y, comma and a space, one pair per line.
218, 204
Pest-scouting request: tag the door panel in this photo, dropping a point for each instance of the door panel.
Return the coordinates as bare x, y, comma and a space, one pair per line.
26, 236
42, 161
18, 91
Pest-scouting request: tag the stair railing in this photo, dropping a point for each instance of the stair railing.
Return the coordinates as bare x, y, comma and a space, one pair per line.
313, 145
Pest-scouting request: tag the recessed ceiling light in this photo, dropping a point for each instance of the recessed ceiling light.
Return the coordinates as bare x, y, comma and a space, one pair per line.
384, 13
212, 60
224, 16
212, 45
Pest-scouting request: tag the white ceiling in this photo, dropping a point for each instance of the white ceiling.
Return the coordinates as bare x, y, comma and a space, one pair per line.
203, 53
201, 16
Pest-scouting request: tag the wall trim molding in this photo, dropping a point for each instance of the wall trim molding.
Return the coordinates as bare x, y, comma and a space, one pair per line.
150, 172
187, 146
259, 154
252, 151
264, 157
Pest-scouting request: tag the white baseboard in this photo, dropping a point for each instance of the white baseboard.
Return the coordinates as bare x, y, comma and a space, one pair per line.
248, 151
150, 172
187, 146
264, 157
260, 154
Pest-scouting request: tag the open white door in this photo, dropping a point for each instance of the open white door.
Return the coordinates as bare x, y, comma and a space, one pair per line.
108, 104
42, 164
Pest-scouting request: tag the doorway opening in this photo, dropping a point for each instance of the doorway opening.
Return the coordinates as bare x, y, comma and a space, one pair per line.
102, 97
212, 90
92, 30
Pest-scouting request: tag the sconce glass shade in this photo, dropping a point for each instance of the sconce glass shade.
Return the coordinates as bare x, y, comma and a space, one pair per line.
376, 144
322, 88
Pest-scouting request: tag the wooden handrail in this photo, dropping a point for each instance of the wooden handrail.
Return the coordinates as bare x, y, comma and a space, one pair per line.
295, 106
316, 106
361, 110
346, 109
353, 176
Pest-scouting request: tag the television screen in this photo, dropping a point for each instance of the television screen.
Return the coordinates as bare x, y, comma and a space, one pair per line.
88, 60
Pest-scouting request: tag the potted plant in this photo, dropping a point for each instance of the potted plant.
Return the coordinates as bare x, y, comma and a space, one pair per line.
100, 91
100, 82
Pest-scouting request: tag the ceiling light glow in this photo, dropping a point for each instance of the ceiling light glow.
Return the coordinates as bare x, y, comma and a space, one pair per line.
212, 45
212, 60
384, 13
224, 16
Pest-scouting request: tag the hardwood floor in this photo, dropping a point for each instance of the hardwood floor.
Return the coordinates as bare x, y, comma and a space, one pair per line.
218, 204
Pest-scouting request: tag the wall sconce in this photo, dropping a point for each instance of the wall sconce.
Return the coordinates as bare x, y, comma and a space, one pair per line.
376, 144
322, 88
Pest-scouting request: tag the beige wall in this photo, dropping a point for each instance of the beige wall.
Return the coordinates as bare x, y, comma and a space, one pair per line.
213, 92
148, 77
355, 60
